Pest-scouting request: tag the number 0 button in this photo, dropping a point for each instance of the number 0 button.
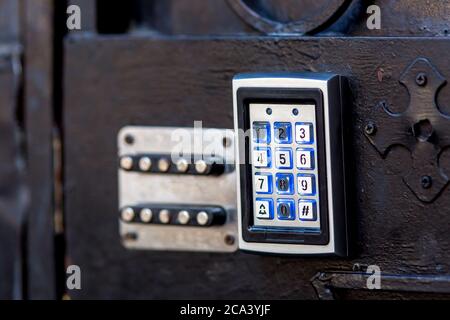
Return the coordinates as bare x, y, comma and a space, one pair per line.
304, 133
305, 159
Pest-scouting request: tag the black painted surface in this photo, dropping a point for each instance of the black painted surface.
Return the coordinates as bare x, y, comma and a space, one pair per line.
113, 82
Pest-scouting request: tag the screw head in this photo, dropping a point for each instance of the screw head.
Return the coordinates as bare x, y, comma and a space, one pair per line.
202, 218
426, 182
163, 165
145, 164
229, 239
370, 128
127, 214
183, 217
129, 139
201, 166
295, 111
421, 79
182, 165
146, 215
126, 163
269, 111
164, 216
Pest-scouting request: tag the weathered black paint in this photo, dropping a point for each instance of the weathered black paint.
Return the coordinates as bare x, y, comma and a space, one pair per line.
116, 81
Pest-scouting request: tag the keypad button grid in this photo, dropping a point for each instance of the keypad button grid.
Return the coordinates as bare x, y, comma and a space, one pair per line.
304, 195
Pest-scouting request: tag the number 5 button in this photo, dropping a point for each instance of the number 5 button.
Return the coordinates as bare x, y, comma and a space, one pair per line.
305, 159
283, 158
304, 133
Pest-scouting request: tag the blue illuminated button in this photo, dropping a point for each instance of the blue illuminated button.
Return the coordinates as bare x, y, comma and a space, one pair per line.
263, 183
261, 157
261, 132
284, 183
306, 184
264, 208
283, 132
285, 209
304, 133
305, 159
307, 210
283, 158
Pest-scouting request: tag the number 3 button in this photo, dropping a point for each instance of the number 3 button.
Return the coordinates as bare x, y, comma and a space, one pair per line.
283, 158
303, 133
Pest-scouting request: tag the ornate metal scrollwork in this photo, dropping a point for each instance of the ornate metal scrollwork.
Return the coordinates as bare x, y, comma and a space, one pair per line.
423, 129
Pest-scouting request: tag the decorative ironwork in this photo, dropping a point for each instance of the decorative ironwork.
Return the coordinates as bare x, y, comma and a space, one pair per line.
423, 129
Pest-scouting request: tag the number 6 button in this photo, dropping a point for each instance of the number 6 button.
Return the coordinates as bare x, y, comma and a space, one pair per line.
305, 159
304, 133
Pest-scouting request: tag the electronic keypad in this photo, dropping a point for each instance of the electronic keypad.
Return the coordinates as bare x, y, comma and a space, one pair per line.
292, 196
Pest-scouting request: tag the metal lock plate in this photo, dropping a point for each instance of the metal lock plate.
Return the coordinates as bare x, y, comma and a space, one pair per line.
183, 190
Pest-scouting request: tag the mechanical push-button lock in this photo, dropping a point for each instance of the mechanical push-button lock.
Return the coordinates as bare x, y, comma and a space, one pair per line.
292, 196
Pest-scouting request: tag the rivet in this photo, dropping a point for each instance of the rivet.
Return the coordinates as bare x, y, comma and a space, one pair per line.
229, 239
202, 218
164, 216
163, 165
146, 215
370, 128
183, 217
127, 214
129, 139
126, 163
182, 165
201, 166
145, 164
421, 79
426, 182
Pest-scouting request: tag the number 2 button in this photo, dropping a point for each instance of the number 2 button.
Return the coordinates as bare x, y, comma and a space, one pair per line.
283, 158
